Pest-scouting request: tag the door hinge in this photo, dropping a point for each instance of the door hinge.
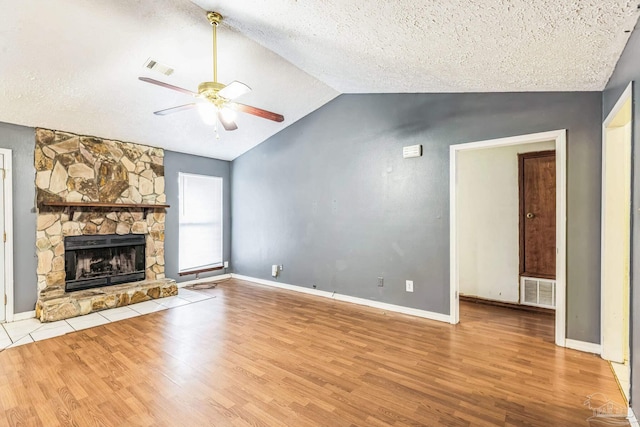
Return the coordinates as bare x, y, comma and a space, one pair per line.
4, 174
5, 299
4, 236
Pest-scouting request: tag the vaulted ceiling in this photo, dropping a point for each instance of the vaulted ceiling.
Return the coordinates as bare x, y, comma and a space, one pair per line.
71, 65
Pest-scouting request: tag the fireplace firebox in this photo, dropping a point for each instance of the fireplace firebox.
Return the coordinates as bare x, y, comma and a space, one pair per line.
104, 260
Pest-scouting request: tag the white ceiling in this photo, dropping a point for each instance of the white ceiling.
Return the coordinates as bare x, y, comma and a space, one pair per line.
73, 65
364, 46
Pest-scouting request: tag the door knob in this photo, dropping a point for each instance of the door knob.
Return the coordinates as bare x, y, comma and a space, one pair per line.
530, 215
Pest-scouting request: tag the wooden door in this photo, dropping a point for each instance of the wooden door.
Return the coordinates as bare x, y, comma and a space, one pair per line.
538, 214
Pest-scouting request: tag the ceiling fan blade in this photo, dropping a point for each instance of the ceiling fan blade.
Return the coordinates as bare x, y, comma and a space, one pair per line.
227, 122
167, 85
257, 112
234, 89
175, 109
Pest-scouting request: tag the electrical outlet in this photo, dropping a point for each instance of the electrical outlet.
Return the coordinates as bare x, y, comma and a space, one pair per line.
314, 286
226, 264
409, 285
380, 282
280, 267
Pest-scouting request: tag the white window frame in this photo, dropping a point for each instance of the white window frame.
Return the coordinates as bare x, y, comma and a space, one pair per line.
216, 179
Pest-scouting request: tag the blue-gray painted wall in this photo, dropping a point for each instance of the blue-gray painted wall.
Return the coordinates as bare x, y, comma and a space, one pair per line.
332, 199
21, 140
627, 70
179, 162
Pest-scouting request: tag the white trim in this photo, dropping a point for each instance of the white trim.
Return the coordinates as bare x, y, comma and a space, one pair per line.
587, 347
561, 237
203, 280
8, 228
626, 95
633, 421
560, 138
346, 298
24, 316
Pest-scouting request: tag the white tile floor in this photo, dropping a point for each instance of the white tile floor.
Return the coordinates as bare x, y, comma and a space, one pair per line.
30, 330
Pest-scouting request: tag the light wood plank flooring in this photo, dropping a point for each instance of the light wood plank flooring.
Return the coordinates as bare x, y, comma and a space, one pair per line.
256, 356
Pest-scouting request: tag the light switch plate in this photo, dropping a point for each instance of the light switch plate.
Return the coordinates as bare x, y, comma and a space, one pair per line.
409, 285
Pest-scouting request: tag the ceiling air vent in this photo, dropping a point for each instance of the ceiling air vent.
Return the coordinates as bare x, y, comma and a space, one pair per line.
158, 67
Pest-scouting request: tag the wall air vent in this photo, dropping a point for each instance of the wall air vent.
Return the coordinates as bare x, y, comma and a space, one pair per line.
538, 292
158, 67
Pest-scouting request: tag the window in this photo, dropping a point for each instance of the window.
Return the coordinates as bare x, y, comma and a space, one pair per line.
200, 226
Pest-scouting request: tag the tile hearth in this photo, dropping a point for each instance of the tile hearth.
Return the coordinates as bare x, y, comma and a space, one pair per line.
30, 330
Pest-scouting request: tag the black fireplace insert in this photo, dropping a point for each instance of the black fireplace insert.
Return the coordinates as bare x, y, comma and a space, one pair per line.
103, 260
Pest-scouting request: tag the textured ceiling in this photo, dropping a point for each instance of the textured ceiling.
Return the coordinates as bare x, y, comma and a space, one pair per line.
73, 65
362, 46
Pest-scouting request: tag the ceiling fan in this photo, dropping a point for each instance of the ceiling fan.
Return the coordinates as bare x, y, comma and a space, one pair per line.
216, 99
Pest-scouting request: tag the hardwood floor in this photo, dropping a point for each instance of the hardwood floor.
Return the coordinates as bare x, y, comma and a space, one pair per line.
256, 356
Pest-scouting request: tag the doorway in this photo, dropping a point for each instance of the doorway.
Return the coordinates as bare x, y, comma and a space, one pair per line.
616, 237
558, 141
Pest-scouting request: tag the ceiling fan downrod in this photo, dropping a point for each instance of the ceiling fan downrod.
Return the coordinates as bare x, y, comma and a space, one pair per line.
215, 18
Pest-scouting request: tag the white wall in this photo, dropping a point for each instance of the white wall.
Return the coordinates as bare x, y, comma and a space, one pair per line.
488, 210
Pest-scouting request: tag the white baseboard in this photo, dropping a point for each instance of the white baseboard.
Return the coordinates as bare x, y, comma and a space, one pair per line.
203, 280
346, 298
24, 315
587, 347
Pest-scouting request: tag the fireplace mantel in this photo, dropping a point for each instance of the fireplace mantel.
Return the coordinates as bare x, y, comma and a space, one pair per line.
72, 206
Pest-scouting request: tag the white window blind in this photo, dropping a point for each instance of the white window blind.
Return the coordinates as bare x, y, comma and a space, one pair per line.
200, 242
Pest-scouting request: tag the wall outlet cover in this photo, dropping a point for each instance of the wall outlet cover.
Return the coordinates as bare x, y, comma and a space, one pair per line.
226, 264
380, 281
409, 285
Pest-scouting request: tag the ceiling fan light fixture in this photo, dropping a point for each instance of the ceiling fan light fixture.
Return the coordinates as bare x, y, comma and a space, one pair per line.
216, 99
208, 112
228, 114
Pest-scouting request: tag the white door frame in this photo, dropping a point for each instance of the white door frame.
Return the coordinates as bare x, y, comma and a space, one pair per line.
8, 228
626, 95
560, 138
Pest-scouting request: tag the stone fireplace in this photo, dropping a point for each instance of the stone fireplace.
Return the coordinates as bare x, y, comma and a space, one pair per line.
100, 224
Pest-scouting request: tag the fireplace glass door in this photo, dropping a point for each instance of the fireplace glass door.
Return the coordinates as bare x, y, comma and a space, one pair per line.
93, 261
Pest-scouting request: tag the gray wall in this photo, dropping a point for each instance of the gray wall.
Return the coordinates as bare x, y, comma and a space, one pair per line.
331, 198
627, 70
21, 140
179, 162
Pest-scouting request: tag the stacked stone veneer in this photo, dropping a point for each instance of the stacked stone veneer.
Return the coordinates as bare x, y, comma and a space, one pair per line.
74, 168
